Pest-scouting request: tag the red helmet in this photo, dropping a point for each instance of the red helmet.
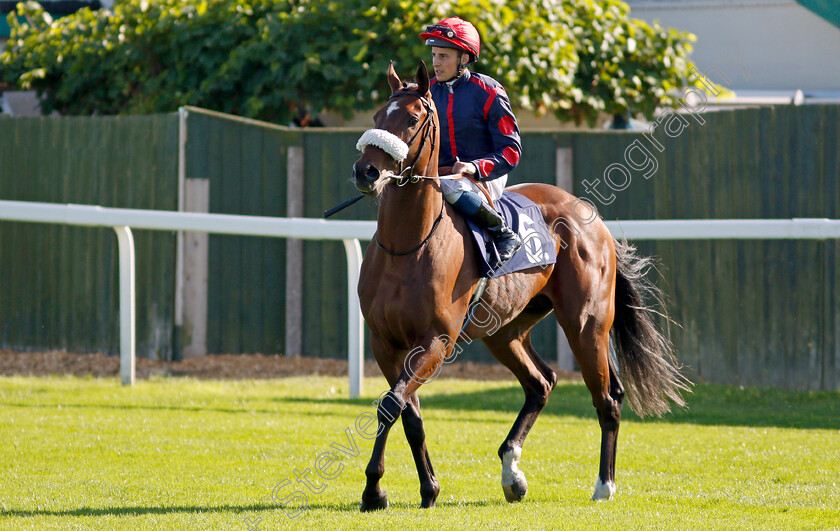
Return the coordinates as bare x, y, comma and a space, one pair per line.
454, 32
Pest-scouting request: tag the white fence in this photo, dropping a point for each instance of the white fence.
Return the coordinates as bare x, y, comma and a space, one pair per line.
124, 220
350, 232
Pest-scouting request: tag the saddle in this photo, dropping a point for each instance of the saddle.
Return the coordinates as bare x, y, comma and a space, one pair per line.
523, 217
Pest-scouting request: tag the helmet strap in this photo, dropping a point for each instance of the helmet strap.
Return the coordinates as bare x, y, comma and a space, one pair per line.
461, 64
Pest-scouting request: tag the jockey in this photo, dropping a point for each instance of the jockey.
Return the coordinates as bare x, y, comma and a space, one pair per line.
479, 136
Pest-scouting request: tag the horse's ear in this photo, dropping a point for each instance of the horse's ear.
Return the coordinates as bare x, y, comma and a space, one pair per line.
393, 78
422, 77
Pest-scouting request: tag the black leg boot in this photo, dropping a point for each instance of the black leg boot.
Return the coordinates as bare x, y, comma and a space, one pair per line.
507, 242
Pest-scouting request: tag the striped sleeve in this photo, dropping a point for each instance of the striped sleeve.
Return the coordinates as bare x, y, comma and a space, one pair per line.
504, 133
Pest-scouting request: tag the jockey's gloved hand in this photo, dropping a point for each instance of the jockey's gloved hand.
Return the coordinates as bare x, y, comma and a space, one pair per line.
465, 168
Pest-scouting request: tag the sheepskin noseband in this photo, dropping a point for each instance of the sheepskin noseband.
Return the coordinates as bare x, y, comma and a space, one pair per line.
388, 142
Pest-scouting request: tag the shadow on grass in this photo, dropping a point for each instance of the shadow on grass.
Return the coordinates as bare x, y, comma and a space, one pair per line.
707, 405
141, 511
353, 507
192, 409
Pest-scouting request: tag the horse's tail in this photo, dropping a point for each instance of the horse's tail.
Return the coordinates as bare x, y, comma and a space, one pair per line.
646, 361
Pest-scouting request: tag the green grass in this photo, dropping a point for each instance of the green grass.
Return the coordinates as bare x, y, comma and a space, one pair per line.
175, 453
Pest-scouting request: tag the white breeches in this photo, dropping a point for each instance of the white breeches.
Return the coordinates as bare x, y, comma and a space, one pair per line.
496, 187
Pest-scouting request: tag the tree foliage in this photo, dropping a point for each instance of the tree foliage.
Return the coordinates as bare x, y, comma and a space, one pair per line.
266, 58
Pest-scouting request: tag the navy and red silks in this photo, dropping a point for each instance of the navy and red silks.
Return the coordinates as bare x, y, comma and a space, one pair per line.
477, 125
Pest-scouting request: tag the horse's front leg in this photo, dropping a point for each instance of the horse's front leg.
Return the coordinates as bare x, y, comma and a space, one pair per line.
416, 436
373, 497
387, 411
421, 365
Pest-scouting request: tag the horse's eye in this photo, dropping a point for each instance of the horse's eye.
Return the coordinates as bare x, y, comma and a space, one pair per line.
412, 121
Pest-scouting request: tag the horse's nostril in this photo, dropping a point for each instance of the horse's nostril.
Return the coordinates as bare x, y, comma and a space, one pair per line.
371, 173
366, 172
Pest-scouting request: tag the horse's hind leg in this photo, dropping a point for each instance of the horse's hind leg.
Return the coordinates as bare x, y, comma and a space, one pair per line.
537, 380
591, 349
609, 417
582, 290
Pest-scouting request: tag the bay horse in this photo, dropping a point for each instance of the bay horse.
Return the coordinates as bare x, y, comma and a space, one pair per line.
418, 275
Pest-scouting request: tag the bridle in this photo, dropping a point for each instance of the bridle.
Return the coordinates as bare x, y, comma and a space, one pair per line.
427, 127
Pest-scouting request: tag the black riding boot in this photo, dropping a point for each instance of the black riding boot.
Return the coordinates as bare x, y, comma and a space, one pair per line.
507, 242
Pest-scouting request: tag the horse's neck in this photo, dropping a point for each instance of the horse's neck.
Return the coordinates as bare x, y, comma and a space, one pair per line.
407, 214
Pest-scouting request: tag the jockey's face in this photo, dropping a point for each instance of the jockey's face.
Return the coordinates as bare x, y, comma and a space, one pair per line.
445, 62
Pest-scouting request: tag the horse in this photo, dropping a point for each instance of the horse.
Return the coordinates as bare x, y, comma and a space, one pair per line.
419, 274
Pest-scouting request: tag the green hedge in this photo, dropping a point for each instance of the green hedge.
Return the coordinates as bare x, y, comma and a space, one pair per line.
269, 58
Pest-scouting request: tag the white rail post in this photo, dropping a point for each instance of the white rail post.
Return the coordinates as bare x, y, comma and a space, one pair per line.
355, 326
127, 320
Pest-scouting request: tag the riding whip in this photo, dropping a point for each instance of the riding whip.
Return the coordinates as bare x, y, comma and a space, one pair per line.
342, 206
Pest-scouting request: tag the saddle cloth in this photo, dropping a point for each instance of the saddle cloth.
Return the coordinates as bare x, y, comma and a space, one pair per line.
524, 218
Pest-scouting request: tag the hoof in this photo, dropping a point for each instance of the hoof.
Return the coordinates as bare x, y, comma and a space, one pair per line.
428, 494
603, 491
377, 504
516, 492
513, 480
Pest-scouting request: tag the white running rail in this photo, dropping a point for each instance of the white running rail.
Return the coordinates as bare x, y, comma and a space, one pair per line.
123, 220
